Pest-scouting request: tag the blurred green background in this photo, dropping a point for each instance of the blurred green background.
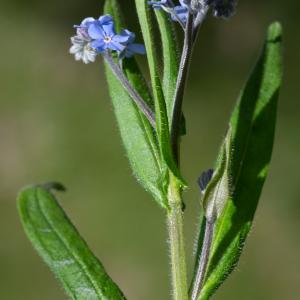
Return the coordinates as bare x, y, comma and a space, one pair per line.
57, 123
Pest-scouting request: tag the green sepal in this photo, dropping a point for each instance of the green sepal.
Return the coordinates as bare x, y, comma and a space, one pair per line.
62, 248
218, 189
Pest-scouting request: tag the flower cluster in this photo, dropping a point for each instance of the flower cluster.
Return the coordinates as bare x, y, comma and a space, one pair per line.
98, 36
220, 8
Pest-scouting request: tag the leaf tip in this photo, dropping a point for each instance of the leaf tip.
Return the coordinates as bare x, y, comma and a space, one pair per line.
24, 194
275, 32
53, 185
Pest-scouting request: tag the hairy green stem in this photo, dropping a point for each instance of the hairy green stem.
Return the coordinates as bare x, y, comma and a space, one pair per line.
176, 241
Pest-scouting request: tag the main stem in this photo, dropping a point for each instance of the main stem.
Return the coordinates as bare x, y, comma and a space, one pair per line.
176, 241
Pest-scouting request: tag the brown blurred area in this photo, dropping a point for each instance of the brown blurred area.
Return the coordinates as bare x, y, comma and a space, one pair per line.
57, 123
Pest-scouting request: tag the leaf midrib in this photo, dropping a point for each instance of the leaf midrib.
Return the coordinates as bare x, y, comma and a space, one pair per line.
76, 259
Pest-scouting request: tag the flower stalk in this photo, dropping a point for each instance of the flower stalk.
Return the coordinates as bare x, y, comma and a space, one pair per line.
139, 101
180, 85
192, 26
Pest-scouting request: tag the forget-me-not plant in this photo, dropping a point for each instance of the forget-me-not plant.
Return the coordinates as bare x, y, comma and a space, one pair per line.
152, 125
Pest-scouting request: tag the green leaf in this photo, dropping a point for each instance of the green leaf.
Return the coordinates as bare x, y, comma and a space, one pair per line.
170, 50
162, 123
59, 244
137, 134
253, 126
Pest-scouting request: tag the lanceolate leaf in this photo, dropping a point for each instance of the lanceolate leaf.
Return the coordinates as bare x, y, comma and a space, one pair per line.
253, 126
59, 244
138, 136
170, 49
162, 126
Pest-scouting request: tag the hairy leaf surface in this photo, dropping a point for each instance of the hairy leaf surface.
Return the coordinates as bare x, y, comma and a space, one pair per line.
253, 126
137, 134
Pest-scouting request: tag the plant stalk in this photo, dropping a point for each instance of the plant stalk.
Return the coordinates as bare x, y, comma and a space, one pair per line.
176, 242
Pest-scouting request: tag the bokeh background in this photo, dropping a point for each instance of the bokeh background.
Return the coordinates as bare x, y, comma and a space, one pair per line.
57, 123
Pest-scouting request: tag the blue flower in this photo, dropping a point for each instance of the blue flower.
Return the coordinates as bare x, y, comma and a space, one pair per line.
96, 36
131, 47
104, 37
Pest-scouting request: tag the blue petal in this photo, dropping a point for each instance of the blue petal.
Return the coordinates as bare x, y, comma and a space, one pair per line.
132, 49
87, 22
96, 32
182, 14
137, 48
114, 45
99, 45
129, 34
105, 19
109, 29
122, 38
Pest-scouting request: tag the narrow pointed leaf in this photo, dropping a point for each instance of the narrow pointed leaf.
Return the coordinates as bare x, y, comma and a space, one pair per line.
137, 134
145, 16
253, 126
59, 244
170, 50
